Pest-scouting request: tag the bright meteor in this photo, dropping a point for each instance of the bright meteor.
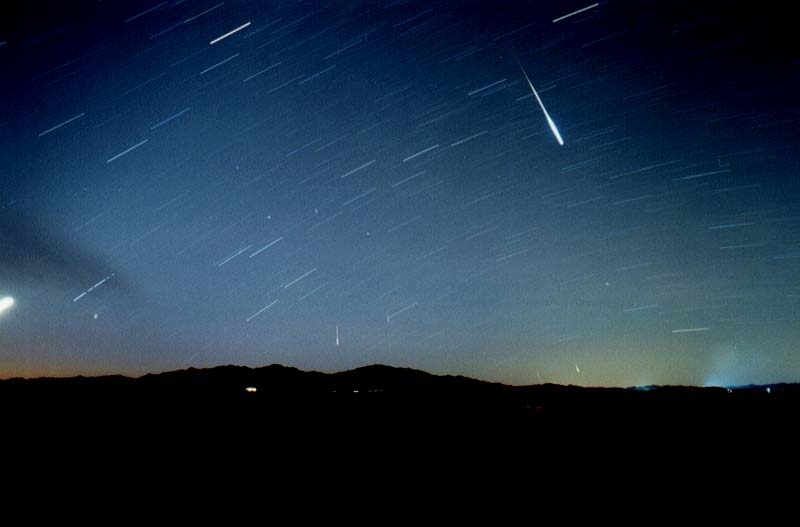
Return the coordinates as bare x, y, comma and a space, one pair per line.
539, 100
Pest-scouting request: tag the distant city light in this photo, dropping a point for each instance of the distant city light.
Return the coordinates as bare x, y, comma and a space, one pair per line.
251, 389
6, 303
769, 390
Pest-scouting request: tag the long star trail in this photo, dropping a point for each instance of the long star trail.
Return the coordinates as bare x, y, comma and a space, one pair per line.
579, 11
234, 255
134, 17
254, 315
203, 13
229, 33
218, 64
95, 286
170, 118
469, 138
302, 276
400, 311
56, 127
261, 72
421, 152
351, 172
126, 151
690, 330
267, 246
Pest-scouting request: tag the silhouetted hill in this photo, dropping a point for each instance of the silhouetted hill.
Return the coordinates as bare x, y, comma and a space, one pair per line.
269, 379
381, 411
367, 379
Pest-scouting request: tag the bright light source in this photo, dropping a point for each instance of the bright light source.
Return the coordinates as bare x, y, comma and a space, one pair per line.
5, 303
251, 389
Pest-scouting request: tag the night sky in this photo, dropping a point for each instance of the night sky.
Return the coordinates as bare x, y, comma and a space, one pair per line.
328, 185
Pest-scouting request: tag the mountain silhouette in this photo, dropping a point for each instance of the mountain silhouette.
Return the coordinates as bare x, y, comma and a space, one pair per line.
380, 411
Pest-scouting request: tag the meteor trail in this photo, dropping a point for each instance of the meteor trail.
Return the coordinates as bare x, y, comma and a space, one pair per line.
546, 115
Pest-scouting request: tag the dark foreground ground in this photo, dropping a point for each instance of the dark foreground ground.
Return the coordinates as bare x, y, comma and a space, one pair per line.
388, 413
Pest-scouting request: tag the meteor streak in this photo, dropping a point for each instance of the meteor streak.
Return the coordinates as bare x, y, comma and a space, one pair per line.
539, 100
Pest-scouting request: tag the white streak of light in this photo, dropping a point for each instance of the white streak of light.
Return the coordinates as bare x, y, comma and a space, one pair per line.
689, 330
131, 19
365, 165
541, 105
95, 286
56, 127
234, 255
470, 138
409, 178
559, 19
363, 194
198, 15
134, 147
390, 317
267, 246
219, 64
254, 315
254, 75
170, 118
290, 284
425, 151
229, 33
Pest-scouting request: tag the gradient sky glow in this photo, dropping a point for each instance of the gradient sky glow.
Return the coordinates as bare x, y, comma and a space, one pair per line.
205, 182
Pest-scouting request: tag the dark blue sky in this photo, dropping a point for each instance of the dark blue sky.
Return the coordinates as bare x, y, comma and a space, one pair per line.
381, 171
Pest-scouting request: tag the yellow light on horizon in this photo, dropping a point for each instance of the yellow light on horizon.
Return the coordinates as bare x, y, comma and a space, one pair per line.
5, 303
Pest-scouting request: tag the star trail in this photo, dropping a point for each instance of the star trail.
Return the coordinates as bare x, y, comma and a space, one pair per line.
333, 184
